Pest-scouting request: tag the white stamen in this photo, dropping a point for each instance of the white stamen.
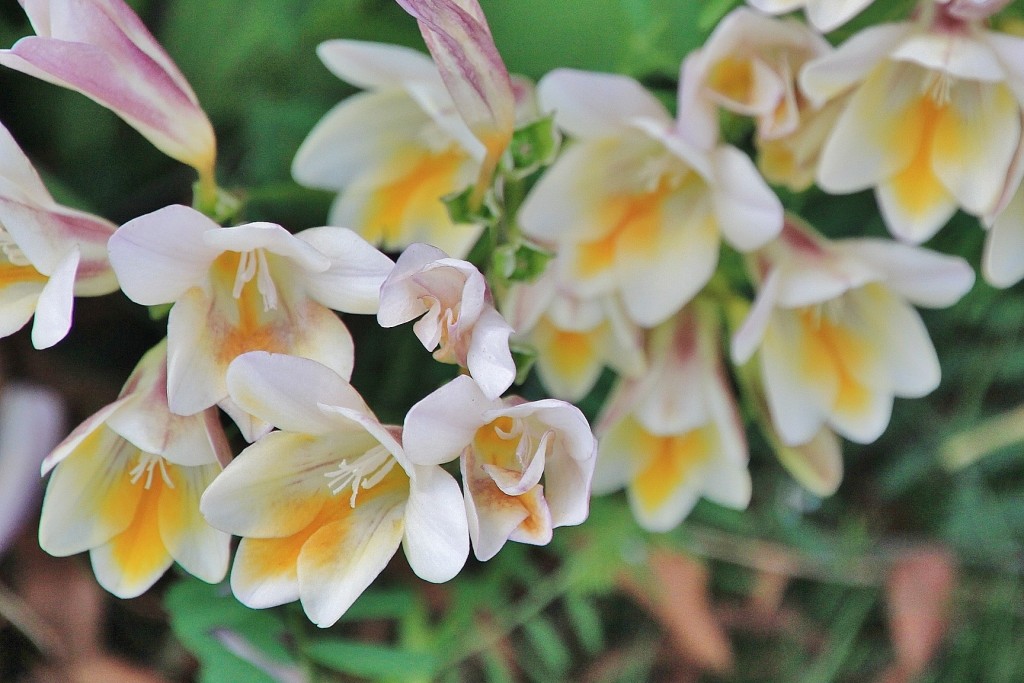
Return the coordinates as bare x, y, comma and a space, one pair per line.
939, 86
11, 250
147, 463
367, 471
253, 263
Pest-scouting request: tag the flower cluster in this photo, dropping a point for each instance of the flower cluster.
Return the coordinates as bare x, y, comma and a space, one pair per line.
614, 250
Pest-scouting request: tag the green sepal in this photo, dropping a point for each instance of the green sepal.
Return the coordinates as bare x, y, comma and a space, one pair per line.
222, 210
461, 210
533, 147
520, 262
159, 311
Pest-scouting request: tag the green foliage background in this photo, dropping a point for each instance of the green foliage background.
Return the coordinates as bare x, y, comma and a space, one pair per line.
554, 610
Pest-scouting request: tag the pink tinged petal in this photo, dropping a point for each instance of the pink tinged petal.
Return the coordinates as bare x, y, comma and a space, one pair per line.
567, 481
492, 516
53, 309
923, 277
460, 42
31, 423
107, 54
593, 105
436, 539
1003, 261
271, 237
353, 281
749, 214
490, 360
974, 10
159, 256
400, 295
816, 465
199, 548
286, 391
442, 424
89, 498
341, 559
832, 74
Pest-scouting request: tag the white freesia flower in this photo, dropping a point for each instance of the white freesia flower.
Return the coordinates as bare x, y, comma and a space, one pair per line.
637, 207
575, 338
455, 311
674, 434
505, 447
49, 253
932, 122
394, 151
836, 331
825, 15
323, 504
126, 485
246, 288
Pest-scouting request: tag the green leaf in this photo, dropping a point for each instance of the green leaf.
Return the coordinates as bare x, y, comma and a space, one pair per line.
371, 661
548, 645
586, 620
381, 604
231, 641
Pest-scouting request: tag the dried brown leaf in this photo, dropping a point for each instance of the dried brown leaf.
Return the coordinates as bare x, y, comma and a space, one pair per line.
919, 589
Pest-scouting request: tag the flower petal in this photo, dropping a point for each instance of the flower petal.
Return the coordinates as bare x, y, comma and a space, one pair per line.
592, 105
53, 310
352, 283
436, 537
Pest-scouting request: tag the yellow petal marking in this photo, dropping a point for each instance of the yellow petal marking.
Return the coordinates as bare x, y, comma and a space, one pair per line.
732, 78
412, 201
572, 355
139, 550
495, 443
916, 187
671, 461
832, 352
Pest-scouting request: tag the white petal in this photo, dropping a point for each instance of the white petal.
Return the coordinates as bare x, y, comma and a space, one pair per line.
352, 283
375, 65
589, 105
436, 538
157, 257
830, 75
286, 390
1003, 262
817, 465
271, 237
490, 360
750, 334
442, 424
53, 311
199, 548
749, 214
924, 277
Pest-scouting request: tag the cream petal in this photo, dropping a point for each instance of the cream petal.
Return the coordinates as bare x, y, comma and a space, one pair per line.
797, 410
751, 332
255, 584
728, 485
279, 484
1003, 261
492, 516
355, 135
159, 256
816, 465
489, 359
923, 277
271, 237
199, 548
748, 212
962, 56
53, 309
109, 566
436, 539
567, 481
832, 74
914, 224
442, 424
672, 511
865, 424
286, 390
826, 15
352, 283
341, 559
375, 66
591, 105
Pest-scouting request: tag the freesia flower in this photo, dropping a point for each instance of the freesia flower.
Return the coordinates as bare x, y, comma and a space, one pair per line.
505, 447
458, 318
459, 39
674, 434
636, 208
749, 66
126, 485
101, 49
323, 504
838, 339
575, 338
49, 253
31, 424
825, 15
393, 151
932, 122
250, 287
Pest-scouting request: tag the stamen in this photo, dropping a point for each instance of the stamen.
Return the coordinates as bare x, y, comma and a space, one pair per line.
938, 85
147, 463
11, 250
253, 263
367, 471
